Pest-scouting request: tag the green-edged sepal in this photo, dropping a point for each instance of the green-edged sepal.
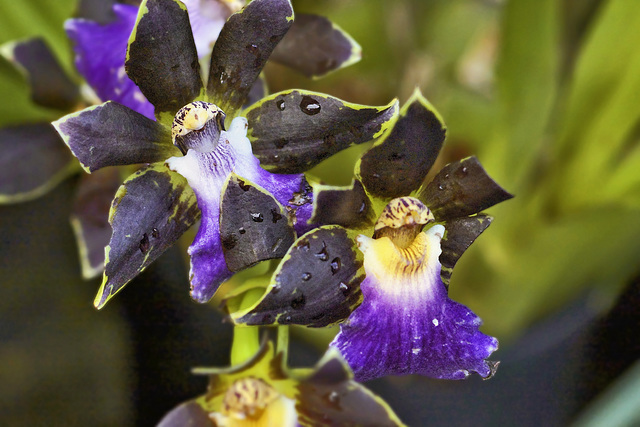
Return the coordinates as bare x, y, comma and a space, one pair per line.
89, 218
150, 211
398, 163
315, 46
316, 284
162, 58
253, 226
33, 160
460, 189
292, 131
349, 207
330, 393
111, 134
459, 234
50, 85
242, 49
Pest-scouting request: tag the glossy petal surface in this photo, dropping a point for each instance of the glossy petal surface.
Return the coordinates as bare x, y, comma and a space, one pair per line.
242, 49
316, 284
101, 50
316, 46
89, 218
399, 163
33, 159
206, 173
151, 210
460, 189
111, 134
407, 324
294, 130
50, 85
162, 58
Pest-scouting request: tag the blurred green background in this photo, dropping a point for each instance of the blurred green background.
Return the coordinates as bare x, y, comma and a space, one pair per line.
544, 92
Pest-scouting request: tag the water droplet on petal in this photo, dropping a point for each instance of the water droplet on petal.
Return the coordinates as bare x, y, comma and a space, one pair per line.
298, 302
344, 288
280, 104
257, 217
335, 265
144, 243
323, 255
309, 106
306, 276
241, 230
155, 233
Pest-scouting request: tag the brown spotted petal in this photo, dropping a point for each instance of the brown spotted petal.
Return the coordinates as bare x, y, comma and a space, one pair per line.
151, 210
33, 160
242, 49
316, 284
111, 134
316, 46
460, 189
294, 130
50, 85
349, 207
398, 164
253, 225
162, 58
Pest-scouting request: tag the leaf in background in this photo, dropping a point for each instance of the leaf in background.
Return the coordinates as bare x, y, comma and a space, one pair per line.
603, 108
527, 79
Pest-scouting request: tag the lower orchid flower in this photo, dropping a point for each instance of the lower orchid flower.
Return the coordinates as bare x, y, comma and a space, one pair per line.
263, 391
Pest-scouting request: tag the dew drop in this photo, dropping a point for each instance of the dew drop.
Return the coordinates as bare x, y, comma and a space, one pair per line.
344, 288
334, 397
440, 187
275, 289
309, 106
304, 245
287, 319
155, 233
323, 255
416, 350
464, 170
275, 215
435, 322
257, 217
306, 276
298, 302
144, 243
335, 265
280, 104
241, 230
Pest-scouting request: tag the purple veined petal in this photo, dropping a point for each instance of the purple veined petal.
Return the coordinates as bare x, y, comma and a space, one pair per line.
100, 54
207, 173
207, 18
407, 324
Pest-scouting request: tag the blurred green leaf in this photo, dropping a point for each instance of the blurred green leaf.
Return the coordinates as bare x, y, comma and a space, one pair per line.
617, 406
603, 107
527, 80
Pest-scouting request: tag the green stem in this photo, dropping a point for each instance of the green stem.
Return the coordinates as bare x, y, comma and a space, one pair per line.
283, 342
246, 343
